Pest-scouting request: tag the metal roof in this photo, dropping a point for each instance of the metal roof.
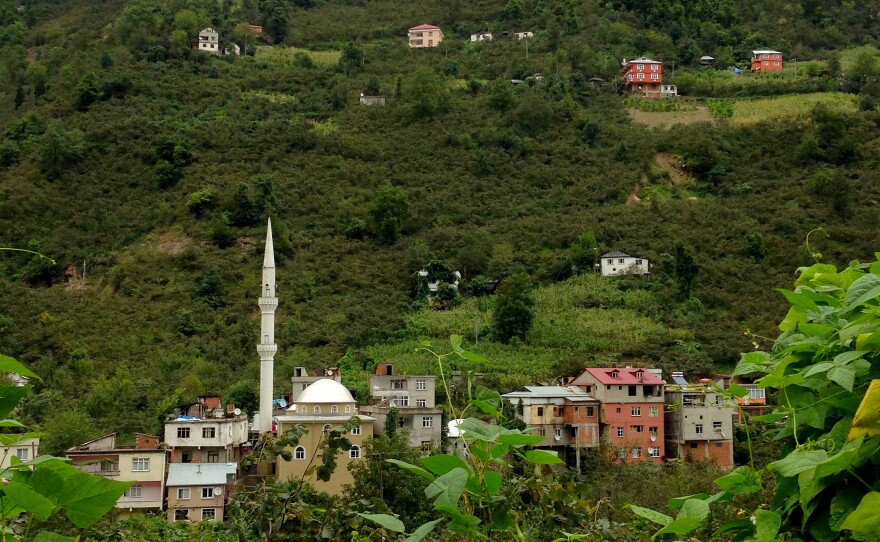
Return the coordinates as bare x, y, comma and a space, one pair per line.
615, 254
318, 418
624, 376
766, 52
199, 474
566, 392
425, 26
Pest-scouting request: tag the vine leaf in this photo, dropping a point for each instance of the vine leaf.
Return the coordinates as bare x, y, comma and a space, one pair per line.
422, 531
867, 419
389, 522
865, 519
448, 488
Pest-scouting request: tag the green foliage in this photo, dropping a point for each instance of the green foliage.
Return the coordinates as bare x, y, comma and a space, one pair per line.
388, 211
244, 394
425, 94
721, 109
514, 308
60, 148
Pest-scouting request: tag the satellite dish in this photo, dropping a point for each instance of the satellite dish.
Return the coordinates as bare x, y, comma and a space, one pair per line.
653, 438
218, 491
557, 437
237, 412
282, 403
330, 372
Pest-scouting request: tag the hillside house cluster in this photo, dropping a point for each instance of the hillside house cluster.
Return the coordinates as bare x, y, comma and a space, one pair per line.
635, 412
427, 35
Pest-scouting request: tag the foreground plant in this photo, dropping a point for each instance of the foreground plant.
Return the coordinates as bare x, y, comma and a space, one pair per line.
44, 486
825, 368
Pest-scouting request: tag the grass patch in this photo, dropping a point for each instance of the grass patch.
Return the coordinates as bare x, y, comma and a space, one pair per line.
322, 59
670, 118
749, 112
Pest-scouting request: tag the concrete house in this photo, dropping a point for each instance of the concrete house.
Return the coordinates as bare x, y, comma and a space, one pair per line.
424, 35
523, 35
766, 60
699, 423
642, 76
143, 463
631, 413
209, 41
482, 36
321, 406
566, 416
413, 398
372, 100
199, 491
25, 450
616, 263
205, 432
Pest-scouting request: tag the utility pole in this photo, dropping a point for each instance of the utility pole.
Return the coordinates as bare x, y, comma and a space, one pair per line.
527, 47
84, 274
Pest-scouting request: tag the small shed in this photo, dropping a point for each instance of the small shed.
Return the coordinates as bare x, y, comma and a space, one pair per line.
707, 60
482, 36
372, 100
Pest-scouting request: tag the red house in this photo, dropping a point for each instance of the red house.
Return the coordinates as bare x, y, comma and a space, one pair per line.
766, 61
631, 410
643, 75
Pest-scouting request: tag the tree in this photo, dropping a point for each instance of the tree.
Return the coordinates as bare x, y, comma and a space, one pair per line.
583, 252
244, 395
210, 289
275, 19
391, 422
513, 10
500, 95
59, 148
685, 270
388, 211
244, 34
352, 59
514, 308
425, 94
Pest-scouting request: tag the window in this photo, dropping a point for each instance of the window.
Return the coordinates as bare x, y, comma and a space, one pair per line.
209, 514
21, 453
356, 430
186, 457
183, 493
401, 422
638, 428
316, 410
716, 426
591, 412
693, 444
304, 409
615, 374
183, 432
637, 453
654, 67
401, 400
207, 493
355, 452
348, 409
653, 411
640, 67
654, 451
542, 433
640, 374
421, 403
134, 492
427, 421
334, 409
610, 261
558, 433
699, 429
621, 261
213, 457
181, 515
427, 445
776, 63
620, 432
655, 77
209, 432
653, 432
636, 411
109, 466
140, 464
618, 410
632, 391
540, 411
299, 453
430, 43
398, 384
765, 56
421, 384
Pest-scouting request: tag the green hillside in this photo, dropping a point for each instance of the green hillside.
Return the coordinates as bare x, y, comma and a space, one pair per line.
156, 167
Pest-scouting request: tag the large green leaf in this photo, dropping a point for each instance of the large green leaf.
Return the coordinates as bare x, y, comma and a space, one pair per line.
543, 457
9, 365
798, 300
422, 531
448, 488
650, 515
9, 398
865, 518
442, 463
798, 461
412, 468
389, 522
767, 524
83, 497
741, 481
29, 500
518, 439
864, 289
492, 480
844, 376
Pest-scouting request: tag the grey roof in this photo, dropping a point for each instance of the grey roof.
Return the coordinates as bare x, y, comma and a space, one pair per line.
616, 254
571, 393
199, 474
325, 418
680, 380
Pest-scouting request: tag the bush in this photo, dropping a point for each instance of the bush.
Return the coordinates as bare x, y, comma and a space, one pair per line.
514, 309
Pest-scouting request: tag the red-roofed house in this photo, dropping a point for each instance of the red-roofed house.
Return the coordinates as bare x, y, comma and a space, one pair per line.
425, 35
643, 75
631, 411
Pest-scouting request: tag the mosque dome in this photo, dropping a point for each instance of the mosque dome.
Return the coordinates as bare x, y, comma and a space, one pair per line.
325, 391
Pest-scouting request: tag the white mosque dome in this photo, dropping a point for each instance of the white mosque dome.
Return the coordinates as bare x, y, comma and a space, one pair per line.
325, 391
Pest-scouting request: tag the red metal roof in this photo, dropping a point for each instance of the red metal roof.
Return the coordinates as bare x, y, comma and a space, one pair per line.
425, 26
624, 376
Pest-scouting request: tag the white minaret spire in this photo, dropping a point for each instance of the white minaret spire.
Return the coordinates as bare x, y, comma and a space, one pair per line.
267, 347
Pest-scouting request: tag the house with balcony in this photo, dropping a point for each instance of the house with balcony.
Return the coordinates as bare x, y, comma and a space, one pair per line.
766, 60
199, 491
143, 463
642, 76
567, 417
699, 422
616, 263
752, 404
209, 41
413, 398
25, 450
631, 411
322, 406
206, 432
424, 35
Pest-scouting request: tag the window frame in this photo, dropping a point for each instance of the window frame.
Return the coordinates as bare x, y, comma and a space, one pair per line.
354, 452
427, 422
183, 432
209, 517
299, 453
209, 491
144, 462
636, 411
181, 491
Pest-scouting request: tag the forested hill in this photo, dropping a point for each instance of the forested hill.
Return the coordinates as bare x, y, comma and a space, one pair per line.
154, 167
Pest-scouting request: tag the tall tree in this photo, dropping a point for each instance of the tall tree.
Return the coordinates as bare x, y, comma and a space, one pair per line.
514, 308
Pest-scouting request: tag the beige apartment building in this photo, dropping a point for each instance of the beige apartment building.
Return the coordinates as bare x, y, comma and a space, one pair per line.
321, 406
206, 432
413, 397
424, 35
143, 463
25, 450
199, 491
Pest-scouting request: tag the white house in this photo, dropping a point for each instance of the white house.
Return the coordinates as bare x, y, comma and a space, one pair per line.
523, 35
209, 40
617, 263
482, 36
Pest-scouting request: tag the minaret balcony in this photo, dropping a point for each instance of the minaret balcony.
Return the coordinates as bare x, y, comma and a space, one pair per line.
267, 348
268, 301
